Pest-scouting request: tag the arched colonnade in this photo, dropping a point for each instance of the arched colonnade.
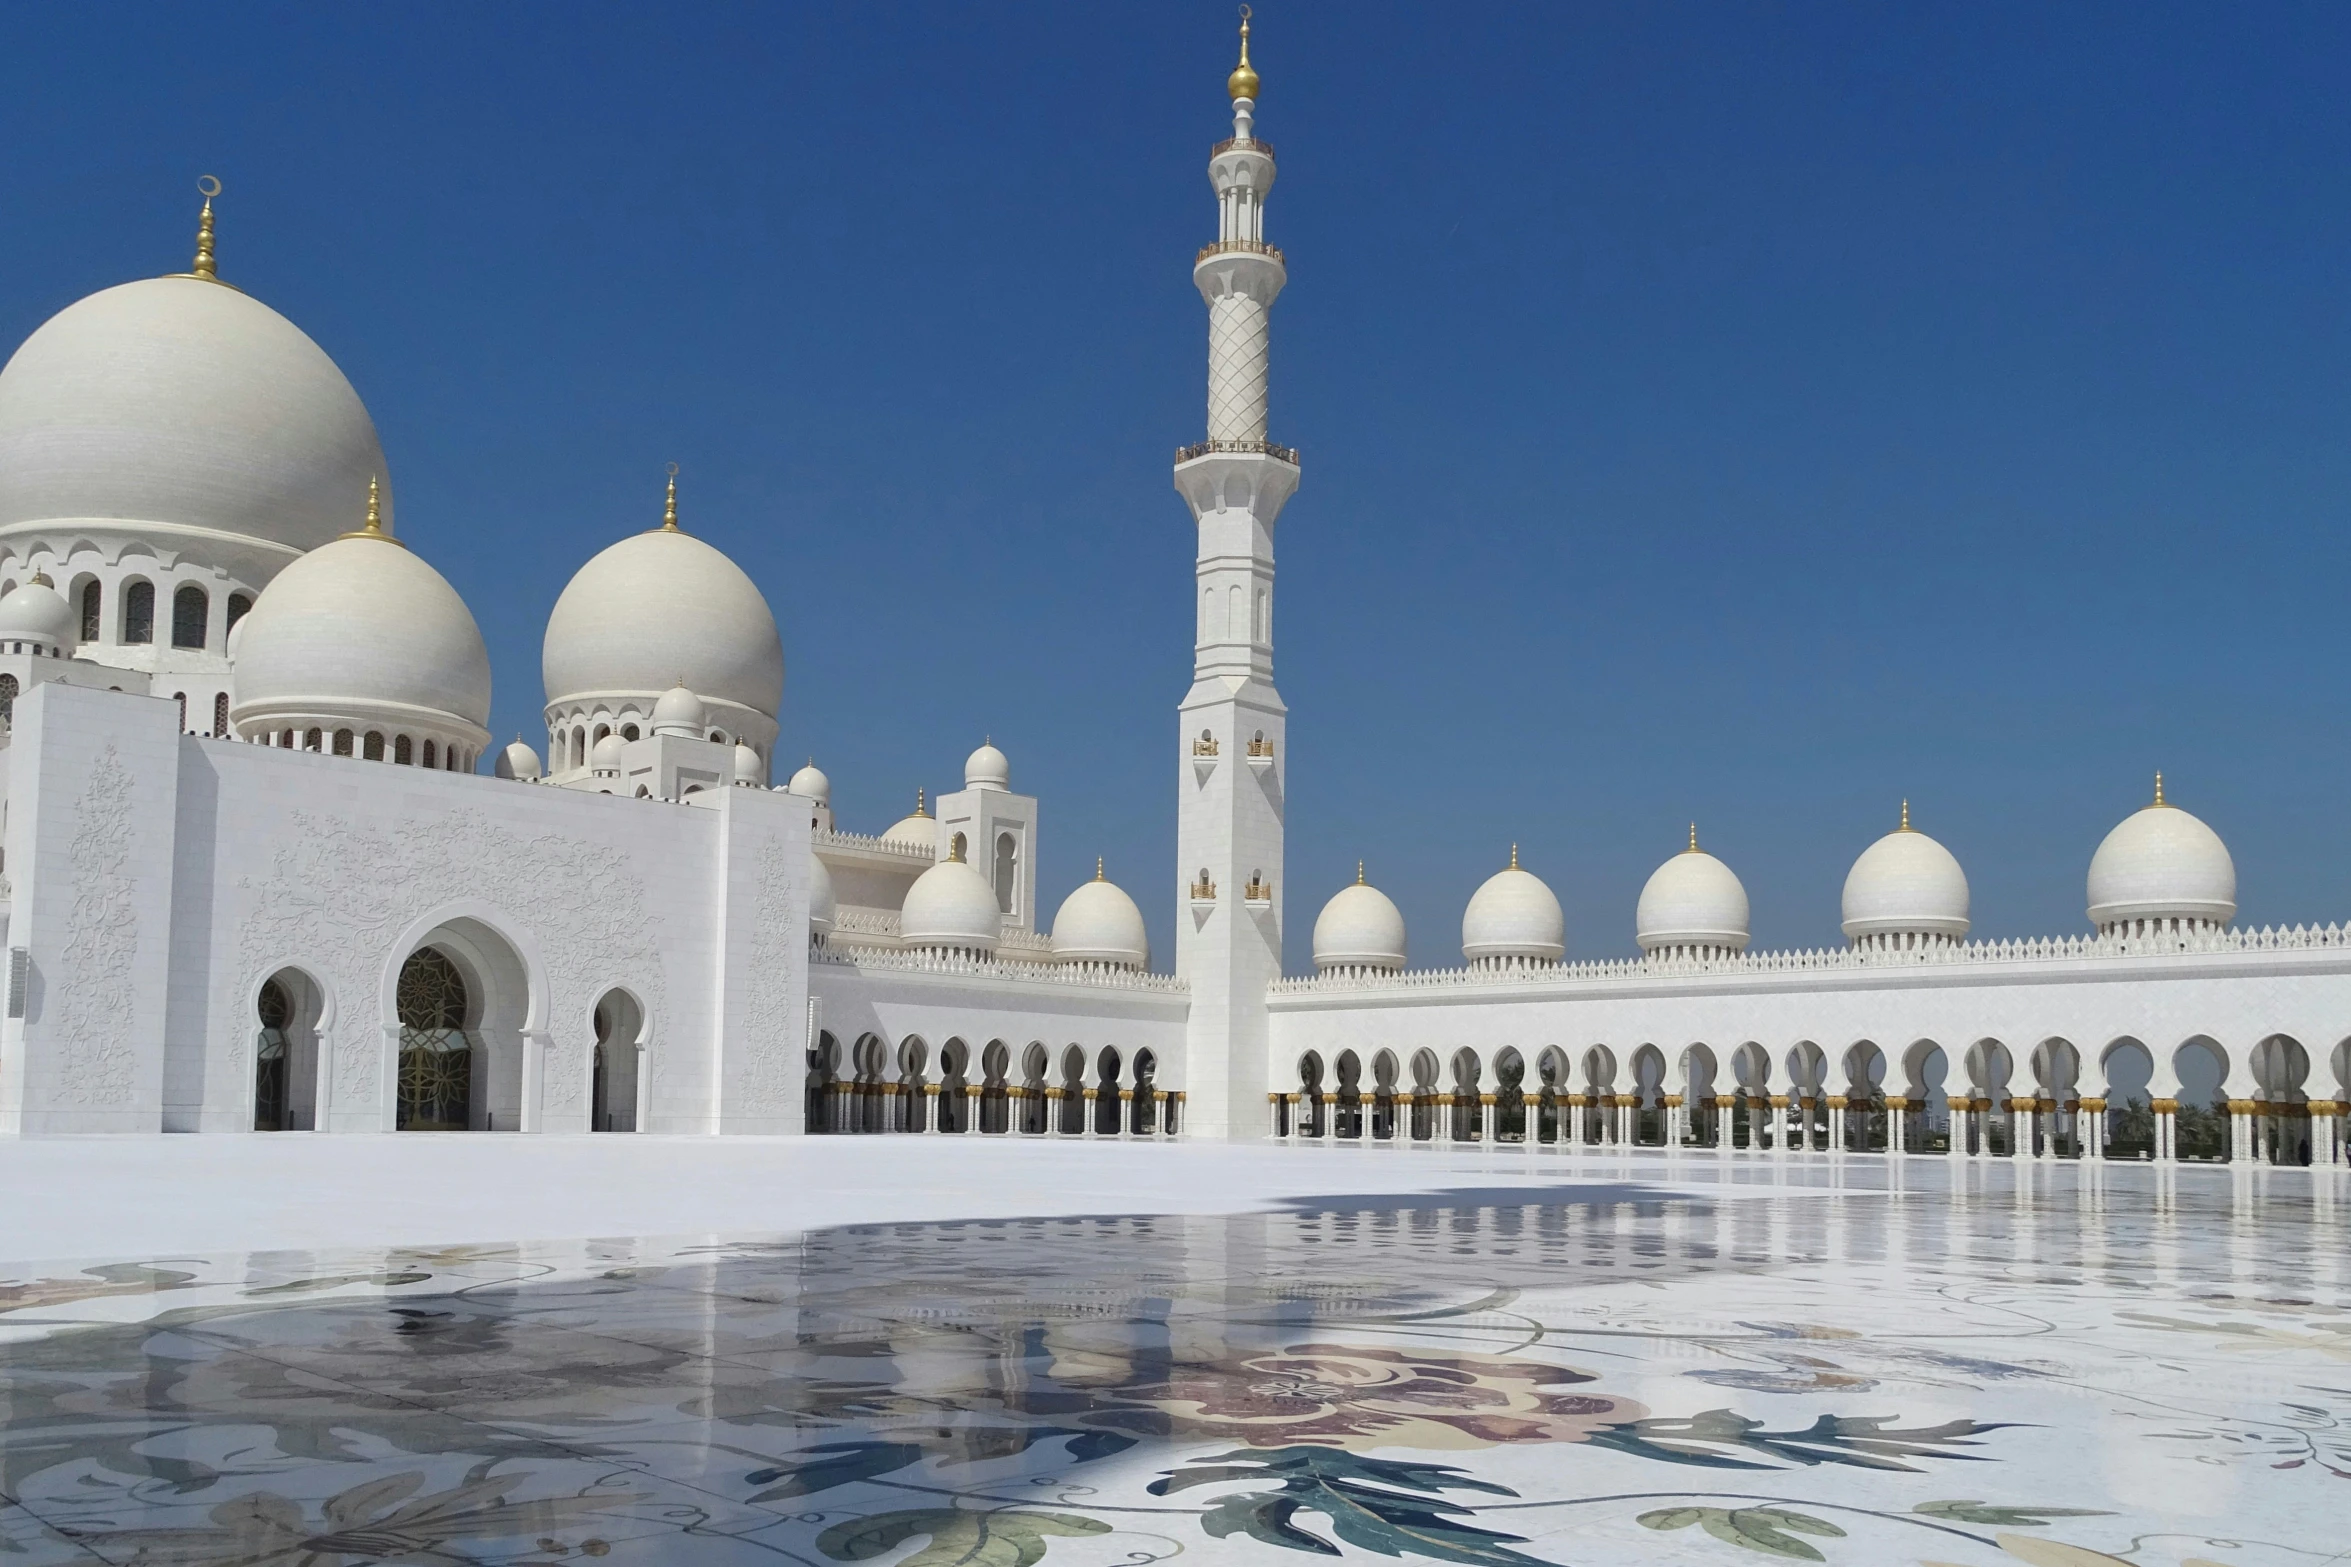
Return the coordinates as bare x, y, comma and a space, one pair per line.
868, 1085
462, 1011
2273, 1100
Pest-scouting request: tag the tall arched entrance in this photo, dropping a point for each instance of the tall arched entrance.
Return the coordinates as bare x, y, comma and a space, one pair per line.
285, 1053
620, 1029
436, 1049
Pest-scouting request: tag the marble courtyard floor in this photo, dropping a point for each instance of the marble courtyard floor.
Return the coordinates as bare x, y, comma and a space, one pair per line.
987, 1353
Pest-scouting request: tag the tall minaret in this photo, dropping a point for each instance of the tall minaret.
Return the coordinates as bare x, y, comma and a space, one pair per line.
1232, 749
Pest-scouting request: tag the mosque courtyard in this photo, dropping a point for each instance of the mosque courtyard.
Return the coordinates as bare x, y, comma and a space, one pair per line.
453, 1348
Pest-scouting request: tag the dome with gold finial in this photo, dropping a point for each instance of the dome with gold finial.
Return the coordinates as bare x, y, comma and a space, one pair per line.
2161, 871
181, 409
1905, 891
1513, 917
1243, 82
658, 609
1099, 923
1359, 930
1693, 905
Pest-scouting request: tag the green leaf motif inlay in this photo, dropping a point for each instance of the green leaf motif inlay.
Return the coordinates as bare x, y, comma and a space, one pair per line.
1769, 1530
959, 1537
1373, 1504
1984, 1512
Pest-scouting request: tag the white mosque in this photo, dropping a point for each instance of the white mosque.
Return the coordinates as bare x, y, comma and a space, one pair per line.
264, 871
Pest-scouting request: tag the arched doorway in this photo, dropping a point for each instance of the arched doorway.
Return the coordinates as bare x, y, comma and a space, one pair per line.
620, 1028
462, 1000
285, 1053
436, 1051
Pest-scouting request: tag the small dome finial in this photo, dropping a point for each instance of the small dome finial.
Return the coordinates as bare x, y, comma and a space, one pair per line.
1693, 838
2159, 789
1243, 82
1905, 827
210, 187
669, 507
374, 526
1358, 873
1098, 876
1514, 856
918, 810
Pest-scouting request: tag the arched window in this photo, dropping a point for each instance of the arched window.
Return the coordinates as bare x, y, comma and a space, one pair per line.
372, 748
220, 715
191, 616
180, 700
90, 620
313, 741
270, 1064
342, 742
138, 614
430, 760
8, 690
601, 731
238, 604
403, 752
629, 732
1007, 870
960, 848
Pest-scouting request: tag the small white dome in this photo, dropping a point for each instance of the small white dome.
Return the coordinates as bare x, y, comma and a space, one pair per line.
659, 608
750, 772
604, 755
919, 831
518, 761
1692, 900
679, 712
811, 784
821, 907
987, 768
2158, 864
951, 906
184, 405
1099, 923
361, 631
1360, 928
37, 612
1513, 915
1906, 884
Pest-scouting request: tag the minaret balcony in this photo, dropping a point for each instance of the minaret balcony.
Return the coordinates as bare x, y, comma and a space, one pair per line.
1288, 454
1260, 754
1252, 247
1256, 144
1204, 894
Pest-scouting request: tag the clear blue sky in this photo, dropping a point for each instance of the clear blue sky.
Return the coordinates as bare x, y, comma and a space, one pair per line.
1748, 413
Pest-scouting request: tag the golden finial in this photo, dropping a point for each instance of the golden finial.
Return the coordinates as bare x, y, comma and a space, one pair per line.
1693, 838
1243, 82
374, 528
1514, 856
2159, 788
918, 810
955, 849
1905, 827
669, 507
1098, 876
1358, 873
210, 187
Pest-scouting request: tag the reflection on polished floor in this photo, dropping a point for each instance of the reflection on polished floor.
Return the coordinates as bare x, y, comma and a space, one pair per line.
1630, 1362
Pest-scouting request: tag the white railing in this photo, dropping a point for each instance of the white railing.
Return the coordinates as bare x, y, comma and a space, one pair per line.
1094, 976
2041, 949
836, 839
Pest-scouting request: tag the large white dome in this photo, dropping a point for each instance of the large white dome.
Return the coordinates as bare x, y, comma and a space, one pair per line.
661, 609
1906, 884
2162, 864
183, 406
951, 906
361, 632
822, 909
1513, 915
918, 831
1360, 928
1693, 900
1099, 923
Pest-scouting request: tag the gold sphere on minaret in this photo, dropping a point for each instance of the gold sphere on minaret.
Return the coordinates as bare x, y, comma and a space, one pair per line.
1243, 82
